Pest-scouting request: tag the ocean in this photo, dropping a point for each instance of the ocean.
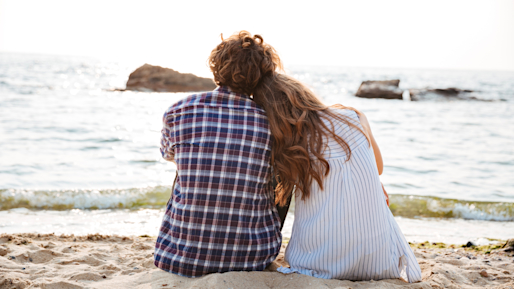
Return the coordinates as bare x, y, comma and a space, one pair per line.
78, 158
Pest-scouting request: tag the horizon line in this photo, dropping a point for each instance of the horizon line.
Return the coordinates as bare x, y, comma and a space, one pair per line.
124, 59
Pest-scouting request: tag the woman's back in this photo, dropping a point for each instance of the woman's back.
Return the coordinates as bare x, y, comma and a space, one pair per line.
346, 231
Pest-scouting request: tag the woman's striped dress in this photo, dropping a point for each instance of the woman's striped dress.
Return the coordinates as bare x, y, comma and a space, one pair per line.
347, 231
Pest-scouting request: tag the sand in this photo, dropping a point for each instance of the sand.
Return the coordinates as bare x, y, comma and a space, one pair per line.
96, 261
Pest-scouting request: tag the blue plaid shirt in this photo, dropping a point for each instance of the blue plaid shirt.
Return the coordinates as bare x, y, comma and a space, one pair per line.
221, 215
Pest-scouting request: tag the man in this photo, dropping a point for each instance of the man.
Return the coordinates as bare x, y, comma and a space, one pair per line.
221, 215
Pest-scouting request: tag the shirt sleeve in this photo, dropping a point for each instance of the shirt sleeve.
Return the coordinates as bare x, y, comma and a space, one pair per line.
167, 149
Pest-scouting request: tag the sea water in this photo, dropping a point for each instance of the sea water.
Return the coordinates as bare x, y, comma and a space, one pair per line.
78, 158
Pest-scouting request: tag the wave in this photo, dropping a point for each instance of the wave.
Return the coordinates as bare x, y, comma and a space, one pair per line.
132, 198
434, 207
157, 197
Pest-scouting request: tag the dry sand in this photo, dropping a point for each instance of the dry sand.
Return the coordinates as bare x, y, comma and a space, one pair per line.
95, 261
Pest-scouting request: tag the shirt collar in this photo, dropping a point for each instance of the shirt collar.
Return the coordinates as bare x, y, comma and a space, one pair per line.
223, 88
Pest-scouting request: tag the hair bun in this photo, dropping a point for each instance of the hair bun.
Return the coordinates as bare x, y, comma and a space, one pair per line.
242, 61
247, 41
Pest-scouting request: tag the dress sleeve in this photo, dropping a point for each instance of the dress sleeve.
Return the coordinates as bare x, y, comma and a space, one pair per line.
167, 148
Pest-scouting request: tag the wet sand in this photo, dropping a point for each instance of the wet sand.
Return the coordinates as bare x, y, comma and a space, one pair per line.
99, 261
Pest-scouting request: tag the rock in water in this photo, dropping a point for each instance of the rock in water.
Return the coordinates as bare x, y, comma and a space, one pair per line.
451, 91
380, 89
442, 93
155, 78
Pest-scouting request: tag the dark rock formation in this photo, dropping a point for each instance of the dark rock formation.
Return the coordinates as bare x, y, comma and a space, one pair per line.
451, 91
441, 93
380, 89
156, 78
389, 89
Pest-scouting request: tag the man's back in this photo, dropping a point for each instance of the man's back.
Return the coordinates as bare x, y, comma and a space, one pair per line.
221, 215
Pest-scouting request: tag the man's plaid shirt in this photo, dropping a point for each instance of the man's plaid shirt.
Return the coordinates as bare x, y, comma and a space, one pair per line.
221, 215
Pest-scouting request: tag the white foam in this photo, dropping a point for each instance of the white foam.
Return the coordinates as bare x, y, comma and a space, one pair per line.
84, 198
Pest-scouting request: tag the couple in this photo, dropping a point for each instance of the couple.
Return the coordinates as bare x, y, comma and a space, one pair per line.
258, 126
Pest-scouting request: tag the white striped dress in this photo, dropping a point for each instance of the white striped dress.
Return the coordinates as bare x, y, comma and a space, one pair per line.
347, 231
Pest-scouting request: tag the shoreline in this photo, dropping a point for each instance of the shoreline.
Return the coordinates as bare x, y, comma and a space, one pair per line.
147, 221
29, 260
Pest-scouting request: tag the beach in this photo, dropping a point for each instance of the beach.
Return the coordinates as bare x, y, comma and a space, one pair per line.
103, 261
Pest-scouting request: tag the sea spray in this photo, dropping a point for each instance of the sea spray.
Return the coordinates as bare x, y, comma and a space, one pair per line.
434, 207
92, 199
157, 197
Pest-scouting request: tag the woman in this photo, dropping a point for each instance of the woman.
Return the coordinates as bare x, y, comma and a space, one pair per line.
328, 156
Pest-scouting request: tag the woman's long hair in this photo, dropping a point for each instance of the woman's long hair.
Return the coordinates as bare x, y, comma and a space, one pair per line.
299, 134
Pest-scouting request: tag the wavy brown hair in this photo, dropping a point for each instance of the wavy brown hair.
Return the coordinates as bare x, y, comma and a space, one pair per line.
248, 65
242, 61
299, 134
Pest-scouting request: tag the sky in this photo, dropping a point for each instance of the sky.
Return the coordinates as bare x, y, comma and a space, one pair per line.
449, 34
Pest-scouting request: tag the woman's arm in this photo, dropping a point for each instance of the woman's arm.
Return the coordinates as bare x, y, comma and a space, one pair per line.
385, 194
378, 155
367, 130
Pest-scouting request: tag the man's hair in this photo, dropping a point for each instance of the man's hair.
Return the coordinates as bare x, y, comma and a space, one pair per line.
242, 60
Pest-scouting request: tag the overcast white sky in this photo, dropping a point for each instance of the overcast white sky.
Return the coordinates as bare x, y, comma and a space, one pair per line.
180, 34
